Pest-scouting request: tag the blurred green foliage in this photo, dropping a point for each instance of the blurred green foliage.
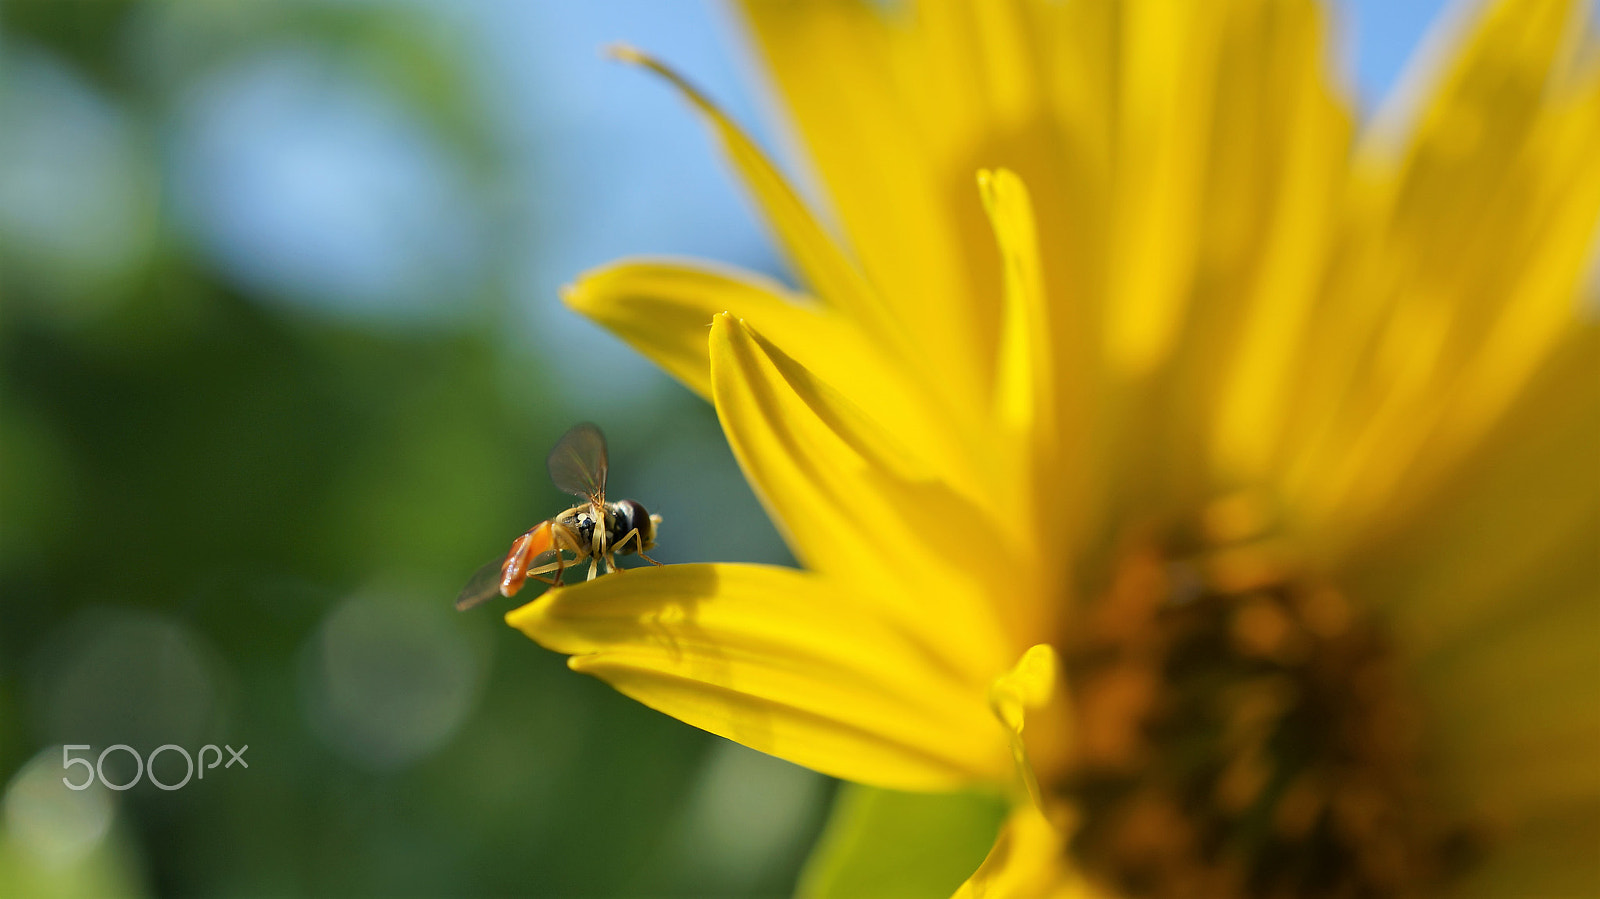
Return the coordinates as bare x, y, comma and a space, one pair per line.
887, 844
228, 520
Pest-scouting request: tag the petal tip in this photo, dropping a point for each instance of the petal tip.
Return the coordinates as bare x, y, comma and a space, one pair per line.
571, 294
1030, 684
625, 52
1000, 186
527, 616
729, 326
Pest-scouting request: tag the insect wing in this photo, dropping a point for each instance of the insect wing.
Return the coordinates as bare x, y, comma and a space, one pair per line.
483, 585
578, 463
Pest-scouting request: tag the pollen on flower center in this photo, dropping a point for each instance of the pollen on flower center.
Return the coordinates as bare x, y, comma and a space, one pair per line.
1242, 730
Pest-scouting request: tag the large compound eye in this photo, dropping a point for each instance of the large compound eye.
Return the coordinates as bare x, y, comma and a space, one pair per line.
633, 515
637, 517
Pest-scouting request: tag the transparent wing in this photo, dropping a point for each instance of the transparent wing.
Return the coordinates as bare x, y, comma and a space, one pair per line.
483, 585
578, 463
546, 561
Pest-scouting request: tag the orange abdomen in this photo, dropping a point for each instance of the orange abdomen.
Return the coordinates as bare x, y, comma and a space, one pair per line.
524, 550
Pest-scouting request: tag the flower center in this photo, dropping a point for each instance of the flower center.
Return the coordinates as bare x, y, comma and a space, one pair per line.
1242, 729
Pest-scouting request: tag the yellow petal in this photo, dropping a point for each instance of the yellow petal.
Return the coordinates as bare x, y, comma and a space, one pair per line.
1468, 250
664, 309
833, 275
1025, 378
1027, 687
1519, 514
792, 664
1042, 477
1279, 162
1028, 861
822, 263
855, 501
852, 79
1490, 591
1227, 146
898, 104
1557, 240
1167, 63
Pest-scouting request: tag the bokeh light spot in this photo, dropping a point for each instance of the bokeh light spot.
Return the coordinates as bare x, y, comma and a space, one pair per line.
55, 825
390, 679
75, 203
745, 811
122, 676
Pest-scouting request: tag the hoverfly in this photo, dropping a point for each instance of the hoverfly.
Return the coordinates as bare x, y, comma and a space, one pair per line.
594, 529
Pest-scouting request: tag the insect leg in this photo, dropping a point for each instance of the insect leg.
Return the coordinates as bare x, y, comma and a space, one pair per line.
577, 552
552, 565
656, 520
621, 546
546, 568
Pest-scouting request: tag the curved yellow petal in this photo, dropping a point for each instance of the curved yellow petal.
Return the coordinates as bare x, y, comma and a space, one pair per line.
822, 263
664, 309
1025, 374
1167, 66
1490, 590
1042, 466
1469, 242
895, 107
1547, 249
833, 274
792, 664
1028, 861
1284, 157
856, 502
1027, 687
838, 64
1520, 513
1228, 143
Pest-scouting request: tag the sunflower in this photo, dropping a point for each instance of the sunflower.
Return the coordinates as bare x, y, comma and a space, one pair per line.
1209, 473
